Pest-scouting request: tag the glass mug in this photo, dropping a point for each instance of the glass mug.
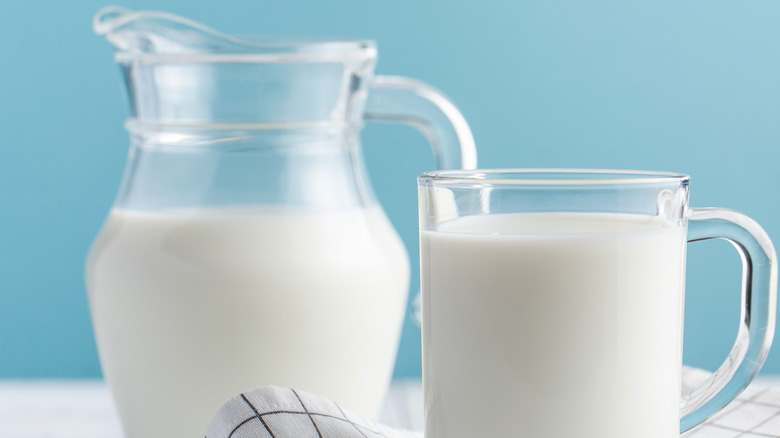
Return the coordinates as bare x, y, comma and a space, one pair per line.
552, 303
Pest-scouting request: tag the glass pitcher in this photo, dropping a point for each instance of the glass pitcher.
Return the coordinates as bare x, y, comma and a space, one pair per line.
245, 246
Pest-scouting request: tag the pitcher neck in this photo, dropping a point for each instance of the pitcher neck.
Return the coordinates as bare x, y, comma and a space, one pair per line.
174, 167
190, 92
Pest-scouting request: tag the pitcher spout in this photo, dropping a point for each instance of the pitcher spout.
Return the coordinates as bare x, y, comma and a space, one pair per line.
164, 33
155, 32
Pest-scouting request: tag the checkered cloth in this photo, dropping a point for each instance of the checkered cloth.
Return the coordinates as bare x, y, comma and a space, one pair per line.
275, 412
753, 414
83, 409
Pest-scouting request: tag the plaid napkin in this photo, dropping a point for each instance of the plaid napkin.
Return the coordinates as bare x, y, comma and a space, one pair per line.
755, 413
275, 412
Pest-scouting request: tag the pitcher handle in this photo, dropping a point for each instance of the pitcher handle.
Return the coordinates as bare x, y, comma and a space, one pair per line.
757, 318
404, 100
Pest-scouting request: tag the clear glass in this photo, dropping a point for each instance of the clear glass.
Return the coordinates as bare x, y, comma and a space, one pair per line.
245, 246
554, 298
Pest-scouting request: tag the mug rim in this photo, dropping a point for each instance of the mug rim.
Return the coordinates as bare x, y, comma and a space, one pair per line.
549, 177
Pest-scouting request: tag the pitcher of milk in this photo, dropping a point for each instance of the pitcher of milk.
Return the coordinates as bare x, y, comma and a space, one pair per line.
245, 246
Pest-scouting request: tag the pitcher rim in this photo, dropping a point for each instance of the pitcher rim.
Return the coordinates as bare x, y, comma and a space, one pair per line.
332, 54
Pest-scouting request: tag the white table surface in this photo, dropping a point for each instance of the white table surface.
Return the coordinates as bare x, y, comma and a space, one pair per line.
84, 409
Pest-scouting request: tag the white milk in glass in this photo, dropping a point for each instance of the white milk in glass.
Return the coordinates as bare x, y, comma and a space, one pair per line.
553, 325
191, 308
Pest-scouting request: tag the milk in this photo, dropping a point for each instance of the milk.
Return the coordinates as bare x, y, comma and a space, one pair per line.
553, 326
191, 308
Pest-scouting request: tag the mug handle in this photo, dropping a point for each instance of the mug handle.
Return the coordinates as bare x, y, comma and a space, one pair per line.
757, 318
412, 102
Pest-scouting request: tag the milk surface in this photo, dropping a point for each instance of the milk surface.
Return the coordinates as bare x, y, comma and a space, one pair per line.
552, 325
191, 308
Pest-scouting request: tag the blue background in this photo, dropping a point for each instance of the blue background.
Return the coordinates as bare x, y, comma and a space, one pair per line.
688, 86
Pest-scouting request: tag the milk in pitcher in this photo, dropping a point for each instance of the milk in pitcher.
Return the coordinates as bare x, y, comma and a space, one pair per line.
193, 307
